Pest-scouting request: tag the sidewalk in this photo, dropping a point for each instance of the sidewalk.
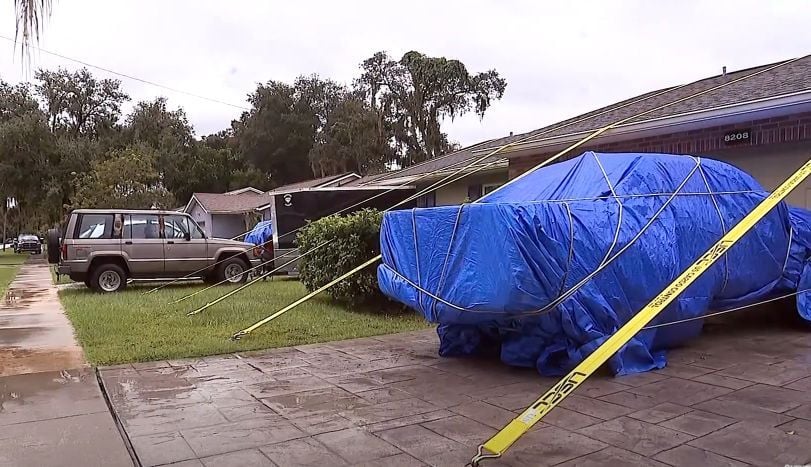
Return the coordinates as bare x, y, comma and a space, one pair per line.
52, 412
35, 334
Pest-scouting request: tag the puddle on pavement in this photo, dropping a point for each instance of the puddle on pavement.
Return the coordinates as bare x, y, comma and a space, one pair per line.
17, 390
19, 297
16, 296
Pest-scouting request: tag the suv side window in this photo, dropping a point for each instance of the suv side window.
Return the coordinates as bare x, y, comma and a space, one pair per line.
175, 226
196, 232
94, 226
141, 226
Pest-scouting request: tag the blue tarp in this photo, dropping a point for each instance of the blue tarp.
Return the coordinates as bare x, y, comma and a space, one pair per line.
260, 234
491, 273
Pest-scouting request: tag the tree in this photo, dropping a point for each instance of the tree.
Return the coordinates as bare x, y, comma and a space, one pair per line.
126, 179
315, 122
414, 95
78, 103
151, 122
27, 150
238, 170
350, 141
16, 101
170, 136
276, 135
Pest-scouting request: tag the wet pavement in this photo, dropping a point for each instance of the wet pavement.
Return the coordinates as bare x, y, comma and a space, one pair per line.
35, 334
58, 418
52, 410
738, 395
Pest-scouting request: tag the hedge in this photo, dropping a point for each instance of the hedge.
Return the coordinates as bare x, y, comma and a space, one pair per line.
353, 239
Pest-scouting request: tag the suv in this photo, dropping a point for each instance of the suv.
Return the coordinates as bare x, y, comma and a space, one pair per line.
104, 248
28, 244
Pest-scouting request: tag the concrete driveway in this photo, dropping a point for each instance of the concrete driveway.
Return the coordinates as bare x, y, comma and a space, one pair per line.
740, 394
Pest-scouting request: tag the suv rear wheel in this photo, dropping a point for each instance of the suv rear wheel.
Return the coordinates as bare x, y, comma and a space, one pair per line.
108, 277
232, 271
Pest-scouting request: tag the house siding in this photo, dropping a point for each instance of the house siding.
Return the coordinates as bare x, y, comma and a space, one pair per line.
776, 148
457, 192
202, 218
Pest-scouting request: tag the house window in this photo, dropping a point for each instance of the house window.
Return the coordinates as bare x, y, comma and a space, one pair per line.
427, 200
474, 192
491, 187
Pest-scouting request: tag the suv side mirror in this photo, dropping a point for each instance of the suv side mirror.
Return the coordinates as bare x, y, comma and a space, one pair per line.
187, 236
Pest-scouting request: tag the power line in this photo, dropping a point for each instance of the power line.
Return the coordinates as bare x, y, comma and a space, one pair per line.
134, 78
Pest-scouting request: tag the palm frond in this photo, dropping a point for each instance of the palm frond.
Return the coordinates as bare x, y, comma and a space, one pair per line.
30, 17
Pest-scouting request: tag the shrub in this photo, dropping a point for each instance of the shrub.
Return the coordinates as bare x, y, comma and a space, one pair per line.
353, 239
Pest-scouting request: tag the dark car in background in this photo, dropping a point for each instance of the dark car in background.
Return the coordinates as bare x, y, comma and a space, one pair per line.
28, 244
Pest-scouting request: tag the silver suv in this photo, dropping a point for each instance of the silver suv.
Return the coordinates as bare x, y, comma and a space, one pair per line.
105, 247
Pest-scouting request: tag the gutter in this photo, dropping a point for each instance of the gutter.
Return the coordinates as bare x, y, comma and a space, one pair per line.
450, 170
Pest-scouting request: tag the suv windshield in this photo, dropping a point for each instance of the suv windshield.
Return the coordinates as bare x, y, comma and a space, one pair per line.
28, 238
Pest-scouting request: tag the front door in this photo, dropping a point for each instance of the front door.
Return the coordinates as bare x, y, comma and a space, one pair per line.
186, 247
143, 245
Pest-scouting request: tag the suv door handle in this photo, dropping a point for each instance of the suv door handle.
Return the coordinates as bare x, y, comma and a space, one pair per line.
128, 242
171, 242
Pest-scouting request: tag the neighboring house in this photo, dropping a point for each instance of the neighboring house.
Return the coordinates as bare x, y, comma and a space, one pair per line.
231, 214
226, 215
761, 124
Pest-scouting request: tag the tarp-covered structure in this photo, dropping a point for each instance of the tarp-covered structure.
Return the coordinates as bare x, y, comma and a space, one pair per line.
261, 234
546, 268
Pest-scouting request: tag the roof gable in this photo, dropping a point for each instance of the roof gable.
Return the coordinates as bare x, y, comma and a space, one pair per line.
224, 203
247, 189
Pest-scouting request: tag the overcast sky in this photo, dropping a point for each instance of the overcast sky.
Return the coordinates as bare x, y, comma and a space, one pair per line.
559, 58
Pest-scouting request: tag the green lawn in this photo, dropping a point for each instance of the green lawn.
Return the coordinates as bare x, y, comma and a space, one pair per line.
130, 326
10, 263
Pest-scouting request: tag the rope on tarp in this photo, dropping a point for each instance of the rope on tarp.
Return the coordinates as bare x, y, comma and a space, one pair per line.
562, 297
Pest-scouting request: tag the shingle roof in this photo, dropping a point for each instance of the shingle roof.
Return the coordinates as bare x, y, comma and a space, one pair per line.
236, 203
447, 161
787, 79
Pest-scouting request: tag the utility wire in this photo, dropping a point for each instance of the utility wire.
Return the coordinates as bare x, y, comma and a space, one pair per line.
133, 78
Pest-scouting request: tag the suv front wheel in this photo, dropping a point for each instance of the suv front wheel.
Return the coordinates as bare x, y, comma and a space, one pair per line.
108, 277
232, 271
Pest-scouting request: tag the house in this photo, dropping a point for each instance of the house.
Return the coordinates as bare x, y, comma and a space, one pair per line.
761, 124
231, 214
226, 215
